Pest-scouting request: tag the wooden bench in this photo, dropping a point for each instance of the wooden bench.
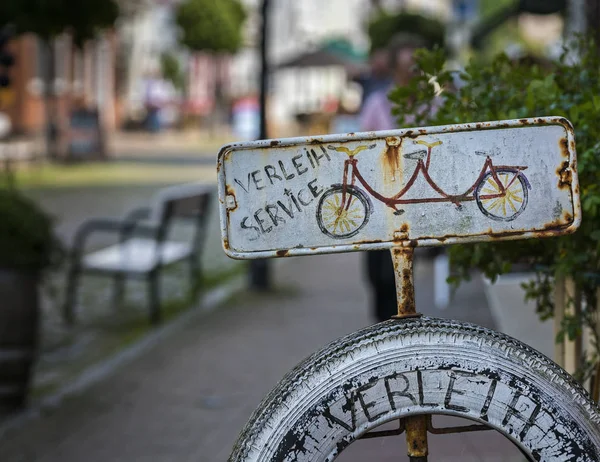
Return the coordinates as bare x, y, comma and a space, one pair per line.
145, 245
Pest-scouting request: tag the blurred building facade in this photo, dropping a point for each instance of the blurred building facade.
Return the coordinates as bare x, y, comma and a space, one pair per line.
81, 77
108, 73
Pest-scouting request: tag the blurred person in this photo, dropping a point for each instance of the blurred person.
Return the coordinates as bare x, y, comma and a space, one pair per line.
346, 119
156, 96
377, 115
379, 75
245, 118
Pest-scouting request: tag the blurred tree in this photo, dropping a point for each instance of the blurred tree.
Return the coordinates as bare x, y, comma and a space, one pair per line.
171, 69
212, 26
49, 19
215, 27
384, 26
503, 11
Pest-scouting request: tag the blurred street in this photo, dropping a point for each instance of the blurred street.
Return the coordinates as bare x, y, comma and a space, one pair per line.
187, 399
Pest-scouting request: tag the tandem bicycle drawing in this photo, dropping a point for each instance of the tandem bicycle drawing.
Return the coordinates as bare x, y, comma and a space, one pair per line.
500, 191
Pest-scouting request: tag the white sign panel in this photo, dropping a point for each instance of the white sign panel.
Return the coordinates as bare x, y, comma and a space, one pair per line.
415, 187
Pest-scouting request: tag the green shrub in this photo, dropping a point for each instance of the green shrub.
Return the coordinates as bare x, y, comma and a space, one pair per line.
385, 26
27, 239
505, 89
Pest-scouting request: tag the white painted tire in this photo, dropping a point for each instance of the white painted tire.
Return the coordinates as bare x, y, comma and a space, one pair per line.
422, 366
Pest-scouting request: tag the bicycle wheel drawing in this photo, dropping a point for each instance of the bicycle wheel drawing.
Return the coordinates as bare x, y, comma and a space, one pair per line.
511, 204
415, 366
341, 217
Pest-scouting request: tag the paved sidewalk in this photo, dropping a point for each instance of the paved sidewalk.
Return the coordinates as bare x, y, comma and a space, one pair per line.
187, 399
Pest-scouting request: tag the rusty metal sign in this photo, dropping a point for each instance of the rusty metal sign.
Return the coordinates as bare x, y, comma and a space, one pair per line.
511, 179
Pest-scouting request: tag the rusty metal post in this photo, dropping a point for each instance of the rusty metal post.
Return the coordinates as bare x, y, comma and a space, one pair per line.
405, 290
416, 437
416, 426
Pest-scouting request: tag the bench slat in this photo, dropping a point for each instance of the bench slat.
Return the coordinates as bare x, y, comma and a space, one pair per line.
136, 256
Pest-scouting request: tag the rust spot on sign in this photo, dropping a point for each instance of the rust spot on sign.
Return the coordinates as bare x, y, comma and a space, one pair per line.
274, 143
391, 157
230, 199
563, 144
503, 234
565, 176
404, 228
282, 253
369, 241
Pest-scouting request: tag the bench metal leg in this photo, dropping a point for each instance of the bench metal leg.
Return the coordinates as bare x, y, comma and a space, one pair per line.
154, 296
71, 295
195, 273
118, 290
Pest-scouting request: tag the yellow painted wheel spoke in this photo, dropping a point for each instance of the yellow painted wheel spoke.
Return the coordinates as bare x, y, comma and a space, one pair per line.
496, 203
491, 181
516, 199
330, 206
511, 204
490, 191
342, 216
508, 194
